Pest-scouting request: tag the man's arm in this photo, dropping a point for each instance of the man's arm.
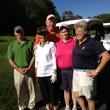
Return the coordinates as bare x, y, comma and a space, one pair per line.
13, 64
31, 65
105, 57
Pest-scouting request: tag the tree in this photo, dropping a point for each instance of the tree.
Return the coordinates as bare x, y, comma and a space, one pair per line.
104, 17
67, 15
11, 13
78, 17
28, 13
37, 10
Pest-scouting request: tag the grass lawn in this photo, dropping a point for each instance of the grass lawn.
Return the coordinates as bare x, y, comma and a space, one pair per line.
8, 99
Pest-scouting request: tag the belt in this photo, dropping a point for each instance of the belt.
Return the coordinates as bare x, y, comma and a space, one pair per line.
82, 70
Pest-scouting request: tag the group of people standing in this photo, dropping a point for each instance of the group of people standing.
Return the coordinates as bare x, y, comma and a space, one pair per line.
78, 60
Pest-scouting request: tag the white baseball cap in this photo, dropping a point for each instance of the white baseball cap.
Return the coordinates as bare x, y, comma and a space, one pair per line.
63, 26
50, 16
18, 28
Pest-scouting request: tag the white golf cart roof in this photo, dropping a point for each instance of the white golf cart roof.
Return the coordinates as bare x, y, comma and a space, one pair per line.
106, 24
72, 22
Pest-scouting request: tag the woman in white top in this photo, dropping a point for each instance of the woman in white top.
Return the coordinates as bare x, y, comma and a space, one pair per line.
45, 67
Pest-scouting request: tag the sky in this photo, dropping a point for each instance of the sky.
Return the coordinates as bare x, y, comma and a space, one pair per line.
84, 8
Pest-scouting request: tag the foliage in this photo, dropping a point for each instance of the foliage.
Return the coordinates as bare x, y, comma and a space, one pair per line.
69, 15
78, 17
28, 13
104, 17
11, 13
38, 9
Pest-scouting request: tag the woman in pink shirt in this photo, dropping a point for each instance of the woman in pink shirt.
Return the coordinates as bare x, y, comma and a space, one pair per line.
64, 59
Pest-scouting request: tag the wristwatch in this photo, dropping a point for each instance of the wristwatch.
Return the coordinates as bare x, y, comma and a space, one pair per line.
97, 71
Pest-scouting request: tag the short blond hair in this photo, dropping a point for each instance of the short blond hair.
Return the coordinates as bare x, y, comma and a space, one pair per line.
82, 24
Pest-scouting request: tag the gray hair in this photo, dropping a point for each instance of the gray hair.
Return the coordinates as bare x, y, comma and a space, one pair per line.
82, 24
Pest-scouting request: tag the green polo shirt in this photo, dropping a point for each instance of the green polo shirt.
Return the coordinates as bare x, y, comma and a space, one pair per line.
21, 54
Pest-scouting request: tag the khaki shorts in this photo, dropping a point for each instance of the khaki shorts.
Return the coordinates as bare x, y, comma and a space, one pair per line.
84, 85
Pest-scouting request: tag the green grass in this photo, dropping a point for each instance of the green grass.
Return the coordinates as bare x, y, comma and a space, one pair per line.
8, 97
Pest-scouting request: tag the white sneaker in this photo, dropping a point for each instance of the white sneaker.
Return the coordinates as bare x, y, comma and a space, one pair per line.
47, 107
67, 108
74, 108
55, 107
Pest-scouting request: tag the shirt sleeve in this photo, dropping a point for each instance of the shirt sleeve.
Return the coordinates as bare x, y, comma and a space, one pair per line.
31, 48
10, 53
98, 47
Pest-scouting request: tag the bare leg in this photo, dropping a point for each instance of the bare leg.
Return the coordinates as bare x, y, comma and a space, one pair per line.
91, 104
55, 107
80, 100
67, 98
74, 102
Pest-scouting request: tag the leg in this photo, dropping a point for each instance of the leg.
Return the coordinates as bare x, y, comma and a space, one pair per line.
79, 100
54, 98
45, 91
60, 96
91, 104
74, 102
20, 85
67, 98
31, 89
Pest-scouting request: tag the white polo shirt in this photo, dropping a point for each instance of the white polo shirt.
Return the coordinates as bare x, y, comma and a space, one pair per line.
45, 61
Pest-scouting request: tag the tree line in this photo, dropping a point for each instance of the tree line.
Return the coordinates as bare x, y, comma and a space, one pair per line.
32, 14
28, 13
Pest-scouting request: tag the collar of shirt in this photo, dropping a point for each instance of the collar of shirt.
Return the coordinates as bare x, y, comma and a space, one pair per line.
77, 42
69, 40
21, 43
47, 42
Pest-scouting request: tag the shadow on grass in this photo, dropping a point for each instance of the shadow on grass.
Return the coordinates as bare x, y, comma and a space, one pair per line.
2, 41
39, 104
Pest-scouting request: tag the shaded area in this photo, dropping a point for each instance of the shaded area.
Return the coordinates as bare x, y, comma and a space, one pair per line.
2, 41
104, 88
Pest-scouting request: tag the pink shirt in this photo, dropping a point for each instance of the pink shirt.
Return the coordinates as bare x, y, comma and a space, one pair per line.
64, 53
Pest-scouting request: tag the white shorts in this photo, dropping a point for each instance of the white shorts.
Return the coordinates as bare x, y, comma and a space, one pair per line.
84, 85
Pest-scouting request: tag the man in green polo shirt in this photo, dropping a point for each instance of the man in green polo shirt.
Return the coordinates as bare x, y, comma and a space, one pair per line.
20, 53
